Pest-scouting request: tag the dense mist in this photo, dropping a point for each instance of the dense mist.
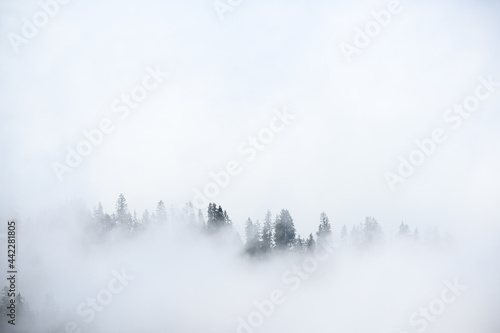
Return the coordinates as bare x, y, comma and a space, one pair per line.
249, 166
174, 275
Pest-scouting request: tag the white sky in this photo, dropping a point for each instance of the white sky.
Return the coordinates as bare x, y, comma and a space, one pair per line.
225, 78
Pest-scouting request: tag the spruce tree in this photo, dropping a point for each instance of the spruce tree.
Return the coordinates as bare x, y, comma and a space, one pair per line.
404, 230
324, 233
416, 235
356, 236
201, 219
161, 212
343, 234
145, 220
211, 213
284, 231
267, 234
103, 221
217, 218
188, 214
300, 244
252, 233
311, 243
372, 232
123, 216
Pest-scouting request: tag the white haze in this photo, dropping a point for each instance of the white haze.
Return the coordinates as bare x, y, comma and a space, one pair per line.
189, 282
225, 78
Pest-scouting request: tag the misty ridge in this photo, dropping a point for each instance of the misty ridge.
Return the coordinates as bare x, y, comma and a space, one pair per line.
86, 271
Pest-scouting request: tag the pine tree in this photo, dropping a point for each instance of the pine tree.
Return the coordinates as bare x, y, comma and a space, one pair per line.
300, 244
211, 213
311, 243
201, 219
123, 216
324, 233
252, 233
343, 234
109, 222
416, 235
404, 230
188, 215
227, 221
217, 218
284, 231
372, 232
267, 234
161, 212
99, 214
145, 219
248, 231
135, 222
258, 235
356, 236
103, 221
220, 217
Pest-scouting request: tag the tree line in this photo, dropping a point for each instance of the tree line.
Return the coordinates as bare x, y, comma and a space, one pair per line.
272, 237
276, 234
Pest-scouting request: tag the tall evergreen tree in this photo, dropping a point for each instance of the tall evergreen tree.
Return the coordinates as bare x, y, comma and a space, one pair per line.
252, 233
99, 214
188, 214
226, 220
372, 232
343, 234
300, 244
217, 217
267, 233
404, 230
145, 221
161, 212
324, 232
123, 216
201, 219
212, 216
136, 225
311, 243
103, 220
122, 213
416, 235
356, 236
284, 231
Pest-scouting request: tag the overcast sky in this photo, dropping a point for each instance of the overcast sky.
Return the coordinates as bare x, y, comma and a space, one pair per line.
225, 80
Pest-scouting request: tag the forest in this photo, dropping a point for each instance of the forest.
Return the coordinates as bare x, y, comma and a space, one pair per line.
272, 238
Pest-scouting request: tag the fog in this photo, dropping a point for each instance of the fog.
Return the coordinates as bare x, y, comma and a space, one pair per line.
176, 277
375, 108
